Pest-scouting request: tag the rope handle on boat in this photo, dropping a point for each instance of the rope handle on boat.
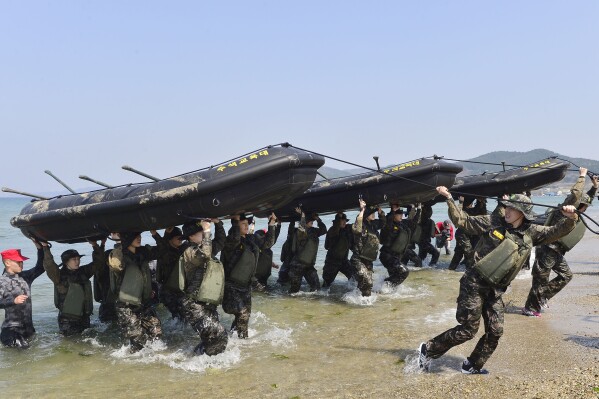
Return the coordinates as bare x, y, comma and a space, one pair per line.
581, 214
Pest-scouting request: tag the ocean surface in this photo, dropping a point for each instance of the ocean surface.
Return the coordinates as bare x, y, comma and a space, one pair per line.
302, 337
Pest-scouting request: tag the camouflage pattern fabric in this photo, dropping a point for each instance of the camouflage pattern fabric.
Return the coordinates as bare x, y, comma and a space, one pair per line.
297, 271
477, 299
18, 320
362, 274
547, 260
138, 324
238, 301
204, 319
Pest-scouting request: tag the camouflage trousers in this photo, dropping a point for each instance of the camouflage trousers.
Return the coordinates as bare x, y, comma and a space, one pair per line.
297, 271
425, 248
204, 319
15, 337
397, 272
410, 255
362, 274
107, 312
72, 326
547, 259
333, 267
476, 299
139, 324
172, 301
238, 302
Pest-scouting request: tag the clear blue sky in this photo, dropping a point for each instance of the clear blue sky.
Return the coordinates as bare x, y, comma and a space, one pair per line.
168, 87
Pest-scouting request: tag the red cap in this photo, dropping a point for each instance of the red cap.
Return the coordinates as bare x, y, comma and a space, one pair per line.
13, 254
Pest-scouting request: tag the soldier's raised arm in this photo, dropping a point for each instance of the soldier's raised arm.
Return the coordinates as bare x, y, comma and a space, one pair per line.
548, 234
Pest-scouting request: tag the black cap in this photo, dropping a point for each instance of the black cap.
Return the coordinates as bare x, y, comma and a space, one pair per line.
190, 228
341, 216
243, 216
175, 232
69, 254
128, 237
369, 211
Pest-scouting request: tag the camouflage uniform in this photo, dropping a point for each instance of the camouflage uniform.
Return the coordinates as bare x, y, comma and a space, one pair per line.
203, 317
17, 327
425, 246
238, 299
465, 243
62, 277
103, 294
398, 272
337, 243
551, 257
298, 269
477, 297
366, 236
138, 323
264, 269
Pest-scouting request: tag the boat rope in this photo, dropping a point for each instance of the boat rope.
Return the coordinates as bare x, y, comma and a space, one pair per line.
582, 215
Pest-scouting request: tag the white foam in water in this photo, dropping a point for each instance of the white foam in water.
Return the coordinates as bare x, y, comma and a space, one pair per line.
93, 342
261, 332
355, 297
445, 316
411, 364
405, 291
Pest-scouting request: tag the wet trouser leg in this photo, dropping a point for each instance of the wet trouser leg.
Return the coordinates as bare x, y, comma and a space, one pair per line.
138, 324
283, 273
410, 255
238, 302
362, 274
72, 326
204, 319
11, 337
426, 248
311, 276
476, 299
547, 260
458, 254
397, 272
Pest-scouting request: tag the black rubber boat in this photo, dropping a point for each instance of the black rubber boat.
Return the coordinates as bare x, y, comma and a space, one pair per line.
407, 183
511, 181
259, 181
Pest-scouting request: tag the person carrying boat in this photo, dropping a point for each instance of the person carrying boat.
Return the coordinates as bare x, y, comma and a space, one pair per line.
337, 243
265, 264
240, 258
305, 249
395, 237
504, 244
72, 286
365, 248
200, 277
550, 257
428, 232
103, 293
15, 297
287, 254
131, 280
464, 243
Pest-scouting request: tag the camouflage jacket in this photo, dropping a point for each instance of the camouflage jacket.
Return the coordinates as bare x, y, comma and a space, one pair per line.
168, 256
195, 258
16, 316
62, 276
485, 225
360, 230
572, 199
